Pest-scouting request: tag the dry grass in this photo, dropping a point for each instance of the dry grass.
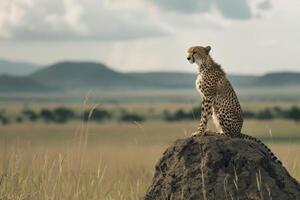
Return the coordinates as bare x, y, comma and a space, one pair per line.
105, 172
104, 161
70, 167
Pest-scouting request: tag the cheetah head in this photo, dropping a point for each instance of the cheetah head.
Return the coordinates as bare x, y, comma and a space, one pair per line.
198, 54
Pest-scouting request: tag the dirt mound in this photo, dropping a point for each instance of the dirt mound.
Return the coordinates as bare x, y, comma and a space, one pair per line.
219, 167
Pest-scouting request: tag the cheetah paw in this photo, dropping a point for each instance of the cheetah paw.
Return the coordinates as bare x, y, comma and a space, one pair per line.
201, 133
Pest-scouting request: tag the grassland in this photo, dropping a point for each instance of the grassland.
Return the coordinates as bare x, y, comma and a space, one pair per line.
287, 93
110, 160
146, 108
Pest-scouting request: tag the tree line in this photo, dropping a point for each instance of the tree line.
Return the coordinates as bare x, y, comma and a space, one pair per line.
292, 113
63, 115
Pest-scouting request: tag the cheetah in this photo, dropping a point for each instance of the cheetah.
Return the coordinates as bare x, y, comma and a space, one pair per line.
219, 100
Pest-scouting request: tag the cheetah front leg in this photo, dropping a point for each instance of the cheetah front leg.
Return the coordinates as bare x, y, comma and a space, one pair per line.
205, 115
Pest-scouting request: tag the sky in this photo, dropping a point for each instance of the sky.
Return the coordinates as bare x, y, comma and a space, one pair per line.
246, 36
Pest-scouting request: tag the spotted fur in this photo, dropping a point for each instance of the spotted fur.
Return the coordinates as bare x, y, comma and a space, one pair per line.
218, 98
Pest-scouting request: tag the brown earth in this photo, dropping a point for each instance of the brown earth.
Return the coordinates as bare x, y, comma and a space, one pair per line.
219, 167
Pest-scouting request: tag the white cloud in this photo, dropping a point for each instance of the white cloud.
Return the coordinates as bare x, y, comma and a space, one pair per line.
69, 20
115, 19
12, 14
229, 9
75, 20
73, 14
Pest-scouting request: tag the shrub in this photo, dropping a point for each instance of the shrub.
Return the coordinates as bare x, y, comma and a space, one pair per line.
278, 112
62, 115
19, 119
178, 115
4, 120
248, 115
196, 112
130, 117
30, 114
181, 115
97, 115
265, 114
293, 113
47, 115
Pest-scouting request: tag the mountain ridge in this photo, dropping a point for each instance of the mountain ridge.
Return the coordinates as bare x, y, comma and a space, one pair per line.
10, 83
73, 75
83, 75
279, 78
14, 68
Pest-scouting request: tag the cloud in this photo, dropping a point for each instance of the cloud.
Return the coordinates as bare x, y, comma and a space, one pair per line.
73, 20
265, 5
79, 20
234, 9
11, 15
72, 16
184, 6
229, 9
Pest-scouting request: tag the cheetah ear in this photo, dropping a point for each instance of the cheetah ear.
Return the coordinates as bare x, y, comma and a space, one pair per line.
208, 48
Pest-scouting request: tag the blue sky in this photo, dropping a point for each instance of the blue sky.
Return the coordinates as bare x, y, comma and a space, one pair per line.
247, 36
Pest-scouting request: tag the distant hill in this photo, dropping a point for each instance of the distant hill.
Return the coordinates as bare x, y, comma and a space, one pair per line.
20, 84
70, 75
187, 80
242, 80
279, 79
16, 68
92, 75
77, 75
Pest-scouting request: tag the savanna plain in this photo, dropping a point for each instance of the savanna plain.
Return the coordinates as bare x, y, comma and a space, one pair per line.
111, 159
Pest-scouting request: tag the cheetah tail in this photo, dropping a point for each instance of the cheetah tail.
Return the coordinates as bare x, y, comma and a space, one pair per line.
248, 137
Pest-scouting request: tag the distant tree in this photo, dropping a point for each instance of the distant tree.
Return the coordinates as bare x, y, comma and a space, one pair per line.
96, 115
181, 115
4, 120
277, 109
265, 114
278, 112
30, 114
293, 113
248, 114
131, 117
47, 115
19, 119
196, 112
62, 115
